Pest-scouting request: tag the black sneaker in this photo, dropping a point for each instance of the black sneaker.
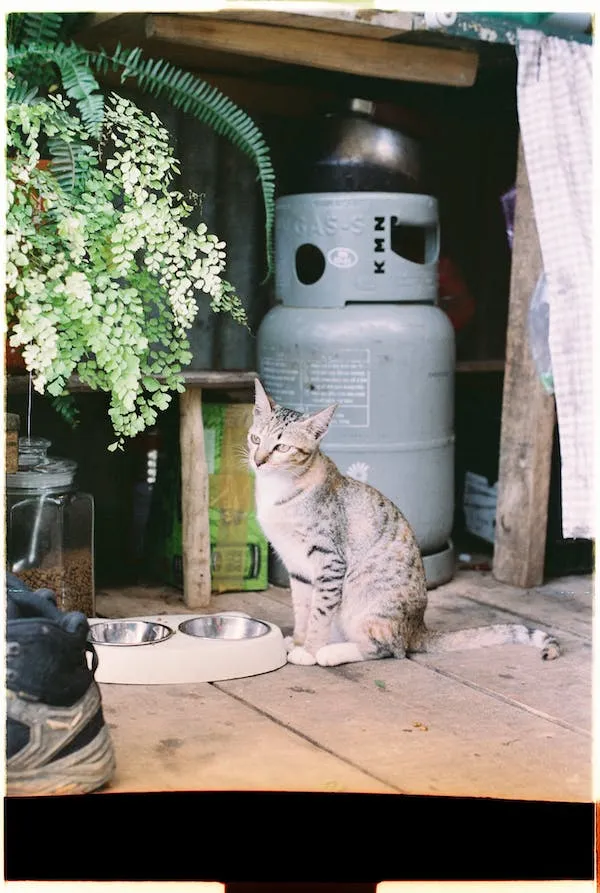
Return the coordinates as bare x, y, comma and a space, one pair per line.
56, 738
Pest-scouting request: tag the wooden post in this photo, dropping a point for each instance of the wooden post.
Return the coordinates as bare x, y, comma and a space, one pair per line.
195, 534
528, 417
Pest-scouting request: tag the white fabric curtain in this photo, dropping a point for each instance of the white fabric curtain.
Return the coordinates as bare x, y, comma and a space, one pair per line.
554, 96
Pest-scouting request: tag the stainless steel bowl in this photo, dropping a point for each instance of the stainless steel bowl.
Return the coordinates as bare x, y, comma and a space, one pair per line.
129, 632
223, 626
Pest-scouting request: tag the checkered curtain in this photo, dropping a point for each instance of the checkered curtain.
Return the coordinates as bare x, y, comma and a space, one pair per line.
554, 96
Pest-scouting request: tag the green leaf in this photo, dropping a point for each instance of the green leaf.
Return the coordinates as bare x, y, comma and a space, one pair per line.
151, 384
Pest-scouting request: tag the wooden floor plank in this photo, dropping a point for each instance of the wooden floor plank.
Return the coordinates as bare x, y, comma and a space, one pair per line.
565, 605
561, 689
424, 733
195, 738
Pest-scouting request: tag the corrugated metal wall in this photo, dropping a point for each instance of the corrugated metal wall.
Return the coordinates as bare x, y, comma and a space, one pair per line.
232, 208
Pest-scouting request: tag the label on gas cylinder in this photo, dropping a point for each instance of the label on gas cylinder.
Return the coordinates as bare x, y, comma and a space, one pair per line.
317, 381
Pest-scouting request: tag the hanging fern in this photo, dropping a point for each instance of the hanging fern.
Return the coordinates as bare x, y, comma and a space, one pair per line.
209, 105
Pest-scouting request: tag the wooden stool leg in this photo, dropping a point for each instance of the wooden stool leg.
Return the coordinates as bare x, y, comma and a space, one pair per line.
528, 416
195, 533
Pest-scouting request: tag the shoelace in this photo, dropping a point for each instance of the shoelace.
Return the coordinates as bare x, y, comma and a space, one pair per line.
90, 648
12, 650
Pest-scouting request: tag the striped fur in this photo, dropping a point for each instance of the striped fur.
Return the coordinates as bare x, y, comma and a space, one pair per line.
356, 572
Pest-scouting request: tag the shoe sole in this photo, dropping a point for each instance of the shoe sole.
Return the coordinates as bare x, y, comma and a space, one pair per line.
33, 772
88, 769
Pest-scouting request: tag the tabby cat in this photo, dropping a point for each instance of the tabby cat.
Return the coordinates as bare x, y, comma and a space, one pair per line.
356, 572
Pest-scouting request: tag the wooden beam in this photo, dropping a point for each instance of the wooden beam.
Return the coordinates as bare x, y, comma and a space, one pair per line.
528, 417
195, 531
354, 22
332, 52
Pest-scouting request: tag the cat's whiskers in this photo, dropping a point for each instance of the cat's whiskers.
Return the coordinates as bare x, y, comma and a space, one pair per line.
242, 454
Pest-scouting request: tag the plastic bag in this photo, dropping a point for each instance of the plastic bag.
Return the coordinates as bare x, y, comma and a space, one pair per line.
508, 207
538, 318
538, 324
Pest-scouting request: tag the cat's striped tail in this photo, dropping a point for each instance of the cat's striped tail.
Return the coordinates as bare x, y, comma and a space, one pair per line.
496, 634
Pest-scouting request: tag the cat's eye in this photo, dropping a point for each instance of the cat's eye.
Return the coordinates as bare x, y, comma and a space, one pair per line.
254, 438
283, 447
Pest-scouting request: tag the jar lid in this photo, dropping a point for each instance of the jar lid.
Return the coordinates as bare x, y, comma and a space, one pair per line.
37, 470
32, 451
55, 474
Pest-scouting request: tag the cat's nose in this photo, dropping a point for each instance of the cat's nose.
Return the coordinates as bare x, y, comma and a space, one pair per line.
260, 458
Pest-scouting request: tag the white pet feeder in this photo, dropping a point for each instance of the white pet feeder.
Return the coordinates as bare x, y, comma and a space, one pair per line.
182, 648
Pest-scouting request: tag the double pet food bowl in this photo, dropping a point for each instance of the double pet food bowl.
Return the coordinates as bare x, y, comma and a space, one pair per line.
179, 648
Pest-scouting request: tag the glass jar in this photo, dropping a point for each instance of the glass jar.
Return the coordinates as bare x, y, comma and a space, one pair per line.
50, 527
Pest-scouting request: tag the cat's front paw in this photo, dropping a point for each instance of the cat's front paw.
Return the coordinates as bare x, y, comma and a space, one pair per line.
338, 653
302, 657
291, 642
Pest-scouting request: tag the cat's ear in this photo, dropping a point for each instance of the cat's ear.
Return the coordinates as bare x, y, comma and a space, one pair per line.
262, 402
318, 423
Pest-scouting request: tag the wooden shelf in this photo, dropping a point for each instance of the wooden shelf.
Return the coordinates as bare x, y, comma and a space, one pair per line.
211, 379
480, 366
205, 379
284, 39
